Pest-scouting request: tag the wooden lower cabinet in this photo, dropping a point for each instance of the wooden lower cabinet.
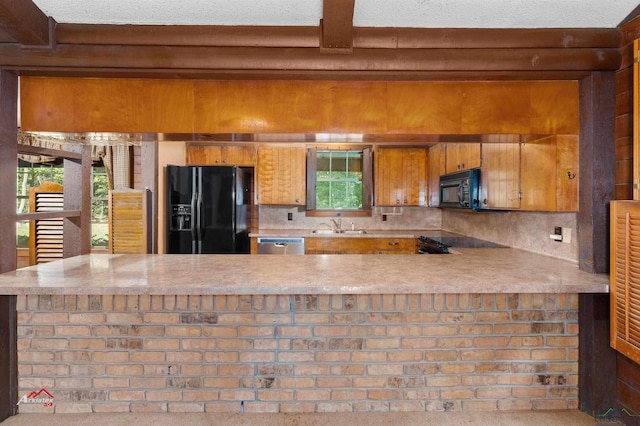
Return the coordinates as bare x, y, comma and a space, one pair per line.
345, 245
395, 246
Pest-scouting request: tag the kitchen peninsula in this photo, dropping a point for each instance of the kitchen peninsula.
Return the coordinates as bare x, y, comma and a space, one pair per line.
484, 329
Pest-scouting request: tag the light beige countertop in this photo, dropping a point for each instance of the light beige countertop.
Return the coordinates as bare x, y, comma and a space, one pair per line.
496, 270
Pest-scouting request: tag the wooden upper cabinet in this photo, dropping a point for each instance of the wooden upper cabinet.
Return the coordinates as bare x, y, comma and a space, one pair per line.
400, 177
500, 176
388, 184
437, 167
538, 179
462, 156
220, 155
281, 174
549, 178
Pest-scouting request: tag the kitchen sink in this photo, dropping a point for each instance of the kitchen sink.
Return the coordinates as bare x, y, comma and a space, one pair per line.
339, 231
324, 231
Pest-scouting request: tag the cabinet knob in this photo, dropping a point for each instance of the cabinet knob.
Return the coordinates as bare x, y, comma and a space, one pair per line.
405, 201
217, 161
397, 201
297, 200
224, 161
394, 243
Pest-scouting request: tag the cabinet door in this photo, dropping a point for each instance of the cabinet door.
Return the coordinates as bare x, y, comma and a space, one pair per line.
220, 155
452, 157
239, 155
388, 185
339, 245
471, 158
538, 179
203, 155
414, 175
500, 176
401, 177
437, 167
395, 246
281, 175
462, 156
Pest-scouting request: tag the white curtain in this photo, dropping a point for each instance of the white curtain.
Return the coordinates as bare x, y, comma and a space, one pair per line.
117, 163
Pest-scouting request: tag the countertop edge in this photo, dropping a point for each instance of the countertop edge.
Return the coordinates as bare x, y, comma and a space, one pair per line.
487, 271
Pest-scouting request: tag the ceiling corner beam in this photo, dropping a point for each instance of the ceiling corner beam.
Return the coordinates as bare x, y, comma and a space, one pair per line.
336, 26
27, 24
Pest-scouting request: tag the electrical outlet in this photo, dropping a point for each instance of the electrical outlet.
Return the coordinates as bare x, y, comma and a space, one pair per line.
289, 216
557, 234
566, 235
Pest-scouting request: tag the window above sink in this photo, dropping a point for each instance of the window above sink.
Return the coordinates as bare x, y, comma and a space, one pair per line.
339, 182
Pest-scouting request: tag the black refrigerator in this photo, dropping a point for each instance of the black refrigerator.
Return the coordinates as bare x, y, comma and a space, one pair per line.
208, 209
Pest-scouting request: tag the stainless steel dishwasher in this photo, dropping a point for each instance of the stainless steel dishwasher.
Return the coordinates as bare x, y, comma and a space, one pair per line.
280, 245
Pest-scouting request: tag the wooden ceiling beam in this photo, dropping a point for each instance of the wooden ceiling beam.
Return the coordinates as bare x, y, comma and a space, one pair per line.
363, 37
306, 59
362, 75
336, 26
27, 24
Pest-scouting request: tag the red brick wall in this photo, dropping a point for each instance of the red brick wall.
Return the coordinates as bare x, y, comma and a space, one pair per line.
299, 353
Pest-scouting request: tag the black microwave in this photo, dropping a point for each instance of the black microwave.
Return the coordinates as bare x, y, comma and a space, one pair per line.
460, 190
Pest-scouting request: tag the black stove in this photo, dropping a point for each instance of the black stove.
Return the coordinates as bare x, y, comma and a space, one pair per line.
441, 244
428, 245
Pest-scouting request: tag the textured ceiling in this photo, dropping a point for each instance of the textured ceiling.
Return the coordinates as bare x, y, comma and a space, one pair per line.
367, 13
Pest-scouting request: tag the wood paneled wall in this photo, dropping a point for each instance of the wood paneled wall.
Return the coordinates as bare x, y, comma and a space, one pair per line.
179, 106
628, 372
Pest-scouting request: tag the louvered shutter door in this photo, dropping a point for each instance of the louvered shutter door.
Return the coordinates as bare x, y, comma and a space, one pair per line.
625, 278
46, 235
128, 221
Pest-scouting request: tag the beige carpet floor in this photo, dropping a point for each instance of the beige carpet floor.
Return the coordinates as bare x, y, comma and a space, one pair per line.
514, 418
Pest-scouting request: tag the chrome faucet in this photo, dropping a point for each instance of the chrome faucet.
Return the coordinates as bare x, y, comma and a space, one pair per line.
338, 224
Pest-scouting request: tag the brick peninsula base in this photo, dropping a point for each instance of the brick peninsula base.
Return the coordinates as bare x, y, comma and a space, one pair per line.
299, 353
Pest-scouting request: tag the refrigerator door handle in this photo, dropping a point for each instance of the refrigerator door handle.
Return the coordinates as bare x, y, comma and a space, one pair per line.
199, 224
194, 212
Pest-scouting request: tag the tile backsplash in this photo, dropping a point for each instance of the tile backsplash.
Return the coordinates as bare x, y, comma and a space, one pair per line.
275, 217
523, 230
